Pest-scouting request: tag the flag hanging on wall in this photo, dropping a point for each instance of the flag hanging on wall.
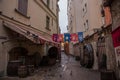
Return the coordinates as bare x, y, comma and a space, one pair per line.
80, 36
66, 37
74, 37
55, 37
60, 38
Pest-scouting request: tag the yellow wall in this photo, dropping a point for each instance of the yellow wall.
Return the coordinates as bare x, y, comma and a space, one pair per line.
36, 11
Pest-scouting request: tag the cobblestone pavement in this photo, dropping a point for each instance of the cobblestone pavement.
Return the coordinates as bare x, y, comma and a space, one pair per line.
69, 69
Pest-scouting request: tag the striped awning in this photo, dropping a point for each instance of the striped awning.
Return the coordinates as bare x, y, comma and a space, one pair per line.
28, 33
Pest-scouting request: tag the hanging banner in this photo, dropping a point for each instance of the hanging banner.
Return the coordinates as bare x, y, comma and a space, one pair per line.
60, 38
80, 36
55, 37
116, 37
74, 37
116, 43
66, 37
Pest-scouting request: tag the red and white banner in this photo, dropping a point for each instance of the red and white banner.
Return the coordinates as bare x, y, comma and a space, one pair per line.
74, 37
116, 43
55, 37
60, 38
67, 37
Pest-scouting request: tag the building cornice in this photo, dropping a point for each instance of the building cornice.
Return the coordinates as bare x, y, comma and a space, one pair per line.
12, 20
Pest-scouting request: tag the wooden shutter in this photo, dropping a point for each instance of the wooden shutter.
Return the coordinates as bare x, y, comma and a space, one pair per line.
47, 22
22, 6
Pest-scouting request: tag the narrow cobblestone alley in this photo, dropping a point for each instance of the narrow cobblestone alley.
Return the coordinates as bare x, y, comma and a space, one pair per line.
69, 69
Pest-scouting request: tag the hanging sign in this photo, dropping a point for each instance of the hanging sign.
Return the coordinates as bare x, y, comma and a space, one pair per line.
116, 43
55, 37
80, 36
66, 37
74, 37
60, 38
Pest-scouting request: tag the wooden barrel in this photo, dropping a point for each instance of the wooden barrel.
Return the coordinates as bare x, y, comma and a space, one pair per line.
30, 69
12, 67
52, 61
22, 71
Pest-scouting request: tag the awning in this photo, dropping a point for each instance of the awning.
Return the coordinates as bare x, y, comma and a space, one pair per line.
28, 33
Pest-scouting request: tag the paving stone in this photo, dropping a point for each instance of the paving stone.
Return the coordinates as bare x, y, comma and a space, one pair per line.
69, 69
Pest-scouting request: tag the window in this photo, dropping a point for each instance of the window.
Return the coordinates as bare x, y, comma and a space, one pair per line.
48, 3
22, 6
52, 5
85, 5
85, 8
87, 25
84, 24
52, 22
47, 22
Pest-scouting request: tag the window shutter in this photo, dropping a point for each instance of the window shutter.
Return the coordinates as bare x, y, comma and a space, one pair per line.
22, 6
47, 22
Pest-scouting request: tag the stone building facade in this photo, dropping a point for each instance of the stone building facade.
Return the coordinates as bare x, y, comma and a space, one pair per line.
26, 27
85, 16
115, 5
94, 19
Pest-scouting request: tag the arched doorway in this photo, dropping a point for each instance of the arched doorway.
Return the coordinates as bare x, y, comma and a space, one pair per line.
53, 55
101, 53
16, 58
53, 52
16, 53
87, 58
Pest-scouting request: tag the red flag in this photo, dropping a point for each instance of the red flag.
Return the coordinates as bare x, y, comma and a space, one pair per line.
55, 37
74, 37
60, 38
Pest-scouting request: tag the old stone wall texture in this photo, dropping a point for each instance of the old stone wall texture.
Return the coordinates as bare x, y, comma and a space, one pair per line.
115, 9
110, 53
